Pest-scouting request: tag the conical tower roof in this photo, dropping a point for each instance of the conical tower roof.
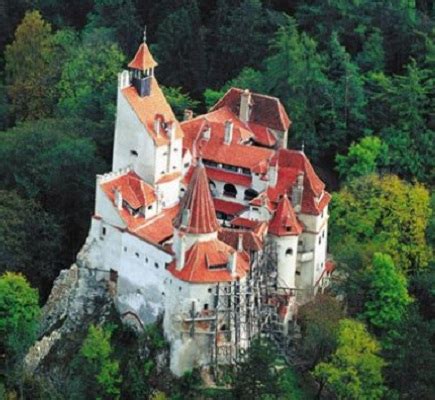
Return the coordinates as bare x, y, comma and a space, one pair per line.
285, 222
197, 213
143, 59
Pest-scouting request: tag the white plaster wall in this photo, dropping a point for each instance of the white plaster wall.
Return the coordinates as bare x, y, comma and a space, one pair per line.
130, 134
105, 209
257, 213
286, 262
190, 239
258, 184
170, 192
240, 193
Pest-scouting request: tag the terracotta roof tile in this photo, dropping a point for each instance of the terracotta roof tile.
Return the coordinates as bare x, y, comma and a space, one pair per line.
143, 59
229, 177
201, 258
148, 107
266, 110
197, 206
284, 222
169, 177
228, 207
250, 240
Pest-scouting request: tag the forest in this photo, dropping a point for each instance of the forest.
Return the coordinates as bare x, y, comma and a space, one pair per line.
357, 78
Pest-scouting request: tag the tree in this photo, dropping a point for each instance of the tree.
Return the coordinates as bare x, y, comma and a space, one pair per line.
88, 85
30, 241
381, 214
256, 377
319, 321
30, 73
387, 298
295, 72
19, 311
179, 101
102, 370
355, 369
344, 121
180, 49
53, 162
411, 357
363, 158
372, 56
121, 17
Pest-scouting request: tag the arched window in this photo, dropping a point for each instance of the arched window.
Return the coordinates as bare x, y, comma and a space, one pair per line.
289, 252
212, 187
250, 194
230, 190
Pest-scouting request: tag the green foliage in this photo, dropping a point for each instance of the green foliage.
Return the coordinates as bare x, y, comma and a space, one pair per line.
180, 34
411, 357
372, 56
319, 320
51, 162
355, 369
383, 214
363, 158
154, 337
97, 353
256, 377
21, 221
19, 312
88, 84
211, 97
387, 298
289, 382
29, 70
179, 101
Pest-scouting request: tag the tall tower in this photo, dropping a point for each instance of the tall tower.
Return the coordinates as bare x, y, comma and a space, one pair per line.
284, 230
142, 69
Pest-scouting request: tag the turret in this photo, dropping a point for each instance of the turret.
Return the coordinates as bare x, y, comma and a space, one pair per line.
142, 69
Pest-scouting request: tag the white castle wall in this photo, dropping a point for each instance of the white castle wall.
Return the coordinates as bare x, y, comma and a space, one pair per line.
286, 252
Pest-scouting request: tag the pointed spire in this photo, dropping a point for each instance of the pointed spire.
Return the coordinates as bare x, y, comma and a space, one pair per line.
143, 59
145, 34
197, 213
284, 222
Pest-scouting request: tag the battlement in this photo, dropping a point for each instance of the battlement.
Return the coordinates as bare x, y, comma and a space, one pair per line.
108, 176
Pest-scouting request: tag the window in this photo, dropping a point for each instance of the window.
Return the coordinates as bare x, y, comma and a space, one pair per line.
136, 254
212, 187
320, 240
146, 260
186, 165
162, 172
246, 171
104, 231
217, 266
133, 153
175, 150
230, 167
230, 190
179, 288
174, 167
255, 208
150, 207
210, 290
210, 163
298, 273
156, 265
250, 194
165, 153
289, 252
323, 234
125, 248
206, 306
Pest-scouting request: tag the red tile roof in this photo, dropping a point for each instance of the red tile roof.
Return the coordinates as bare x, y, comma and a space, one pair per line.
148, 107
263, 135
134, 190
284, 222
245, 222
266, 110
143, 59
228, 177
201, 258
250, 240
168, 177
228, 207
198, 204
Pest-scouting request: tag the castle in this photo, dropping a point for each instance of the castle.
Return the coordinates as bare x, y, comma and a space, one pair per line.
211, 222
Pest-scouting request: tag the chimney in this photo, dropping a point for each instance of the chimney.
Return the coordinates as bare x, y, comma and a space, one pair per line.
157, 124
181, 256
240, 243
118, 198
232, 263
206, 133
171, 130
188, 115
273, 174
245, 105
297, 192
228, 137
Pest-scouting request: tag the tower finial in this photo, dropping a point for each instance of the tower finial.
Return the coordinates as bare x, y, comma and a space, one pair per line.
145, 34
303, 146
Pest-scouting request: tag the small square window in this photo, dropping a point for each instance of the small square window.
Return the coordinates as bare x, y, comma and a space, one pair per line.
210, 290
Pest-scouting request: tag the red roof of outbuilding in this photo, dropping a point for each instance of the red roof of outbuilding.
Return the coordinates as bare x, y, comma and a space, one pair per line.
143, 59
198, 204
266, 110
201, 258
284, 222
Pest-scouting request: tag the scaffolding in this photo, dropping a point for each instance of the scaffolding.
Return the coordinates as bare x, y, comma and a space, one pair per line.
243, 310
